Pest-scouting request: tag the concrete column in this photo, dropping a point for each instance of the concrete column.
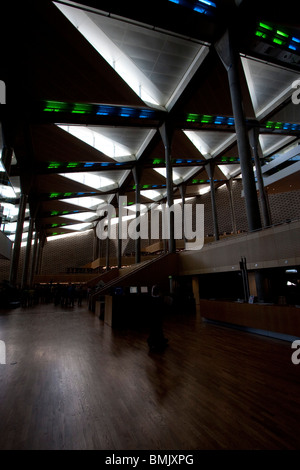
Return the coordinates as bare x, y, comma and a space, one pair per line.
25, 280
210, 167
182, 189
18, 239
231, 204
107, 253
120, 227
96, 243
6, 157
254, 142
136, 175
166, 135
33, 260
231, 61
41, 245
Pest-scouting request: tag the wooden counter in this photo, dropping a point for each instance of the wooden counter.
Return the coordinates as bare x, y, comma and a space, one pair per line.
273, 318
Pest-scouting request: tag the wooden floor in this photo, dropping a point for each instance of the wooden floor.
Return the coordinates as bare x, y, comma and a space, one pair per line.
71, 382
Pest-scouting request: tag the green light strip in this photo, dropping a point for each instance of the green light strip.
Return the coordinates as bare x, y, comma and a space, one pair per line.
53, 165
192, 117
55, 106
82, 108
281, 33
266, 26
260, 34
206, 118
73, 165
198, 181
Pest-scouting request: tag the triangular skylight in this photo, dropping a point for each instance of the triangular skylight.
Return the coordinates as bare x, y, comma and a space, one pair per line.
270, 143
92, 180
78, 227
176, 177
98, 141
269, 86
154, 195
87, 202
80, 217
210, 144
153, 64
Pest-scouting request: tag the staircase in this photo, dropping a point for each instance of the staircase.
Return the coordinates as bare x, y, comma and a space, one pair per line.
146, 273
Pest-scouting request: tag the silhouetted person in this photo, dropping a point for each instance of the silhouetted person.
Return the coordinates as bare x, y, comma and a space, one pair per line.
79, 292
156, 339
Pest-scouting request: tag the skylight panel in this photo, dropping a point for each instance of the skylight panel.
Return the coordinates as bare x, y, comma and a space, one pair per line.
12, 227
7, 191
204, 189
86, 202
13, 236
125, 67
163, 172
65, 235
105, 145
89, 179
77, 227
151, 194
80, 217
142, 208
199, 143
9, 210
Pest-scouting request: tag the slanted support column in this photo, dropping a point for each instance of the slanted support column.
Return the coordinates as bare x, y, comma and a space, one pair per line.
137, 178
18, 239
6, 157
96, 243
231, 204
254, 142
166, 134
33, 261
120, 228
107, 253
25, 280
7, 150
42, 241
210, 168
182, 189
231, 61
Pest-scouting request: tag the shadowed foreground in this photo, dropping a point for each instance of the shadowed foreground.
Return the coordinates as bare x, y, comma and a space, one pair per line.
71, 382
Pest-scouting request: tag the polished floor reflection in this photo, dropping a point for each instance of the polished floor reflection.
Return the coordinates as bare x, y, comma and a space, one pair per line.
71, 382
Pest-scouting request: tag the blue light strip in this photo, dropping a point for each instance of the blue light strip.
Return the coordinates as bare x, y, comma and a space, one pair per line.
207, 2
104, 110
99, 110
201, 6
